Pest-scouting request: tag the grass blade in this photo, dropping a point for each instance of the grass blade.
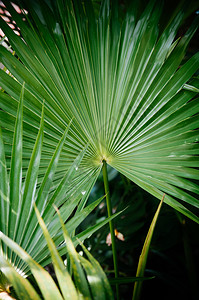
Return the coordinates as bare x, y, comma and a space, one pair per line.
144, 254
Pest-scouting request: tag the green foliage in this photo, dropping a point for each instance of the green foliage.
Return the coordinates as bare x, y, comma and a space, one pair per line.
166, 263
118, 70
91, 281
18, 196
121, 76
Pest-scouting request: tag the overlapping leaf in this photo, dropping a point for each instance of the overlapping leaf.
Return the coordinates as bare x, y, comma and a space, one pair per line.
18, 196
89, 278
123, 80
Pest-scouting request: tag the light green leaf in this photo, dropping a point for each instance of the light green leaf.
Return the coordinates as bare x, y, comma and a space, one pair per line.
65, 282
191, 88
44, 280
21, 285
4, 204
96, 286
144, 254
30, 185
79, 276
118, 77
16, 171
100, 272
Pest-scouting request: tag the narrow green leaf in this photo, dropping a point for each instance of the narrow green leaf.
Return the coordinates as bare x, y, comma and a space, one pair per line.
42, 197
16, 170
54, 227
60, 192
145, 184
100, 272
42, 277
44, 189
4, 200
22, 286
78, 272
144, 254
89, 231
65, 282
94, 280
30, 184
191, 88
81, 216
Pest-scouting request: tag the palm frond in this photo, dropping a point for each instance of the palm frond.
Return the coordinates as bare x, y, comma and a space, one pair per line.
18, 196
122, 78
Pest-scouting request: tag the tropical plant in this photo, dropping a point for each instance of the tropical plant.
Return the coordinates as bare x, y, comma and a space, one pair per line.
119, 74
18, 196
119, 78
90, 280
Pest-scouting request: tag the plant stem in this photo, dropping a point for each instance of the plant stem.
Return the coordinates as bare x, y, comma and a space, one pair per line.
111, 226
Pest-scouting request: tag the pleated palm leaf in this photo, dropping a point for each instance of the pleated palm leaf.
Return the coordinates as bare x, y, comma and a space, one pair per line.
18, 195
122, 77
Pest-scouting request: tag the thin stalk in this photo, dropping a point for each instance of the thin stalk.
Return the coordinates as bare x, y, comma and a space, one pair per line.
144, 254
111, 225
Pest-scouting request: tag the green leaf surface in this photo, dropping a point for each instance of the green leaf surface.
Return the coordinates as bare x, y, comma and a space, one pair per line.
30, 185
3, 188
119, 76
16, 171
65, 282
73, 188
79, 276
144, 254
100, 272
125, 81
44, 280
21, 285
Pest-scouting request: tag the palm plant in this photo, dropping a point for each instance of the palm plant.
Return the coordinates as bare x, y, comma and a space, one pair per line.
90, 280
18, 196
120, 75
119, 79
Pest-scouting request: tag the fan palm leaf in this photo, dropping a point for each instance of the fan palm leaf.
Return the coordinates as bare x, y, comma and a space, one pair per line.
18, 196
122, 78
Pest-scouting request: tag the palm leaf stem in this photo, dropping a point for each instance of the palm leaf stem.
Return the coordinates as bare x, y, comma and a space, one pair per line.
111, 225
